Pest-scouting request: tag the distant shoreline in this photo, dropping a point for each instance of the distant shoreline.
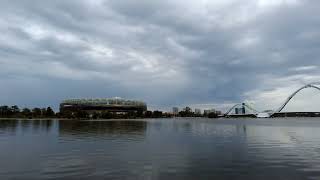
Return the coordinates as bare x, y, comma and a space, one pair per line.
64, 119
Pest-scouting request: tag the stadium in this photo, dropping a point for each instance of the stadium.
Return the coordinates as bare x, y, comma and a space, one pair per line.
102, 105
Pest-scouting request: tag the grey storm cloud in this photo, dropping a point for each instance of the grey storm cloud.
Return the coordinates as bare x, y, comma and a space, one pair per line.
164, 52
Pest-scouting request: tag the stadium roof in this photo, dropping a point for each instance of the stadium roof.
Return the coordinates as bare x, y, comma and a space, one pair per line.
104, 101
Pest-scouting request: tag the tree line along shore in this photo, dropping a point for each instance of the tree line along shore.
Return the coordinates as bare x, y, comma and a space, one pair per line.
43, 113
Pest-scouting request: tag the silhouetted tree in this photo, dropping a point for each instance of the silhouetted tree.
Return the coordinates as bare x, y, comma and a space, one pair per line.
148, 114
4, 111
26, 113
157, 114
49, 112
43, 112
212, 115
187, 112
95, 115
81, 114
67, 114
36, 112
15, 110
106, 115
139, 114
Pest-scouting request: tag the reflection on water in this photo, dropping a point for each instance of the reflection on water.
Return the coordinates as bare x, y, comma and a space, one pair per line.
102, 128
120, 131
14, 126
160, 149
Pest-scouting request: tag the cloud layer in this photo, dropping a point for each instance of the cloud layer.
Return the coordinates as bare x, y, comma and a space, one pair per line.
164, 52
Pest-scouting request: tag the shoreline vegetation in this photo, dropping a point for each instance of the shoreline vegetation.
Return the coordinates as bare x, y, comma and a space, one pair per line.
14, 112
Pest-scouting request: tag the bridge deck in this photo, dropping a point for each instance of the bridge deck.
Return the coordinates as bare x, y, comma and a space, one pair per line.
241, 116
296, 114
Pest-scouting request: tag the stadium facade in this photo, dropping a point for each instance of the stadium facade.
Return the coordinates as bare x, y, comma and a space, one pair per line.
102, 105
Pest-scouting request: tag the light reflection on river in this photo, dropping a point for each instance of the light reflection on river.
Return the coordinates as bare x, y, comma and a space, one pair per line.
161, 149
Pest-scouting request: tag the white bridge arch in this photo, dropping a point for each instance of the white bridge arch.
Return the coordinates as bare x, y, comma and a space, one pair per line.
281, 107
293, 94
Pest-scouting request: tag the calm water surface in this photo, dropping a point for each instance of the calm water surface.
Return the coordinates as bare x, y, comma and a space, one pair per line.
161, 149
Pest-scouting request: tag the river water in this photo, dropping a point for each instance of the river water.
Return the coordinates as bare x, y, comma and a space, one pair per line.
161, 149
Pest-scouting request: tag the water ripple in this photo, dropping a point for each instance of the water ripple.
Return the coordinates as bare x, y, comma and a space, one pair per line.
161, 149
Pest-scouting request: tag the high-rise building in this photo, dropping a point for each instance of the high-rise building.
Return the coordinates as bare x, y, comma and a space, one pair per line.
240, 110
175, 110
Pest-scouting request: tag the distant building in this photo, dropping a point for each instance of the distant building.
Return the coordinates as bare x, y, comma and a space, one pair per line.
208, 111
218, 112
197, 111
117, 105
240, 110
175, 110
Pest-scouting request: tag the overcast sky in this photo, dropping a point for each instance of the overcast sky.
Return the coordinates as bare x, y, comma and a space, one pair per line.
205, 53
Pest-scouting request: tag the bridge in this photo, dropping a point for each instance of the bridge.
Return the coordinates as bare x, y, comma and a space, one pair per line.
278, 112
241, 110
